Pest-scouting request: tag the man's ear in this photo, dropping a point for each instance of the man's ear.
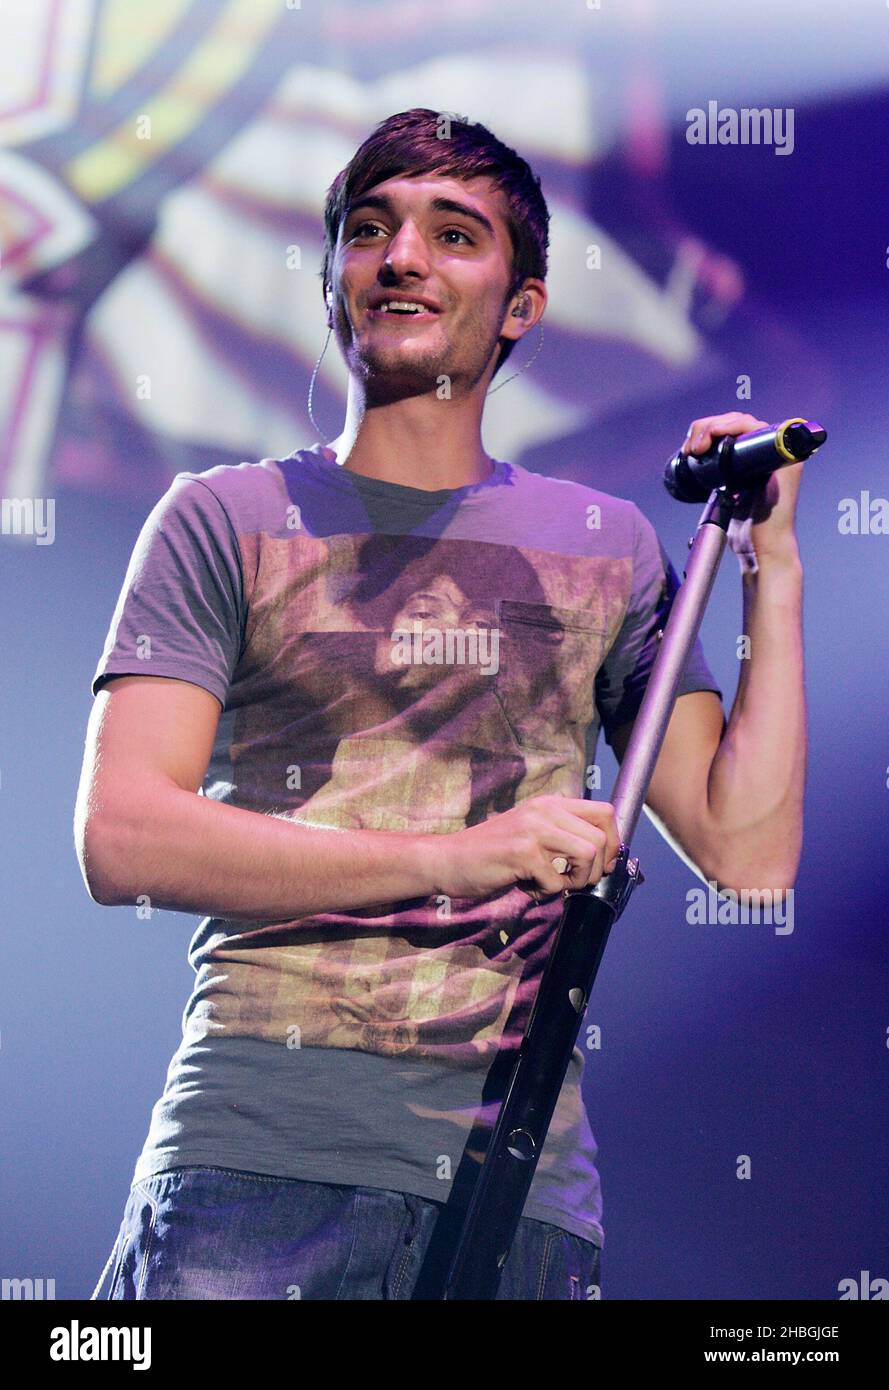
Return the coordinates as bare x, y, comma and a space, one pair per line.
328, 296
526, 308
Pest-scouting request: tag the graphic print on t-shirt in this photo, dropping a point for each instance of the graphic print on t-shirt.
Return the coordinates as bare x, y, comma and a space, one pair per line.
414, 684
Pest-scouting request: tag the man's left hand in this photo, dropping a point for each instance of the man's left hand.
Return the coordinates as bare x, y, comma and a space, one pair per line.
764, 515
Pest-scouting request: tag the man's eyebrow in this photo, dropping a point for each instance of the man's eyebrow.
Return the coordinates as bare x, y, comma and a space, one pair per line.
384, 204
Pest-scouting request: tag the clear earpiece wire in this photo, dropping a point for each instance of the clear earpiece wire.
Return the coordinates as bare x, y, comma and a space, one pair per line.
492, 389
312, 388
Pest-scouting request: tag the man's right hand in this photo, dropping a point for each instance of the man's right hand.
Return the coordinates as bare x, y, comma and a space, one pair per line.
517, 847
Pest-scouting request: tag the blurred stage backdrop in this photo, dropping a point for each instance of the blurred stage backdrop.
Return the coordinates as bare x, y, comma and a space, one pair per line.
162, 175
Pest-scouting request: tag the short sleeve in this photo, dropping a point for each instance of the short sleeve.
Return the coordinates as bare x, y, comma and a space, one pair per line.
180, 612
623, 676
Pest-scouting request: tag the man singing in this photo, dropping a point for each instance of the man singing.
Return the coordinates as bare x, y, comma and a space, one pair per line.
345, 712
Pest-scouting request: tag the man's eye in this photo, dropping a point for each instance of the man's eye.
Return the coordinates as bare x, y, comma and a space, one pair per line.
365, 228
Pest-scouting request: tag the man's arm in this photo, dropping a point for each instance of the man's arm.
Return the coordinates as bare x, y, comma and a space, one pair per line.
731, 803
141, 829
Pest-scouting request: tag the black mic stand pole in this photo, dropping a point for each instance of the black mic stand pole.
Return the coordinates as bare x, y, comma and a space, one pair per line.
588, 915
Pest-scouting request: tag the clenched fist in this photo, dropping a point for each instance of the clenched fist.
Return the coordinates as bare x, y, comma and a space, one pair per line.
516, 849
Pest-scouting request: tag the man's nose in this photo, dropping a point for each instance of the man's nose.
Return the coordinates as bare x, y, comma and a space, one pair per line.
407, 253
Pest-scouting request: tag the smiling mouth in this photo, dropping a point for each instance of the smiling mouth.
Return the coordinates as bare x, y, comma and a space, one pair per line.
403, 315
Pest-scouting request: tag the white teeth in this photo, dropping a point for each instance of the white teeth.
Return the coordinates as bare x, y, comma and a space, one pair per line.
402, 304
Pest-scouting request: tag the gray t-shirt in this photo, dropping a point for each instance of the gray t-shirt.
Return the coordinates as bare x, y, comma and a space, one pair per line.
391, 659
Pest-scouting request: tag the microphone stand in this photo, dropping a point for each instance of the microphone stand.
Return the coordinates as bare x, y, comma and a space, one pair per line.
588, 915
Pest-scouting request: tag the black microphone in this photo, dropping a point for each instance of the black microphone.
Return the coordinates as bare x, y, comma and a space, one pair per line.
739, 463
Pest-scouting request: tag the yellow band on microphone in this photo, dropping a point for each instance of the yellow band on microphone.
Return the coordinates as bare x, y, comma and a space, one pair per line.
779, 438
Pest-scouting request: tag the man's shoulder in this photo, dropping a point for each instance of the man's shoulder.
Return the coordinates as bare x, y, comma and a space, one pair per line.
237, 479
248, 492
562, 492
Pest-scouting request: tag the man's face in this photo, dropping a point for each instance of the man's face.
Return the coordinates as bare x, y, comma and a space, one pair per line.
439, 604
401, 236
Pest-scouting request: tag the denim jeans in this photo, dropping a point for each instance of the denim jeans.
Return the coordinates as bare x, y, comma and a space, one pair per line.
195, 1232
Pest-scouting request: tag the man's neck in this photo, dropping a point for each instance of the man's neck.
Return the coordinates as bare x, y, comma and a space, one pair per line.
419, 442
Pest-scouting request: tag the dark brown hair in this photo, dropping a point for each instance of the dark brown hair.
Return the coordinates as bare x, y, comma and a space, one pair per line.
410, 143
